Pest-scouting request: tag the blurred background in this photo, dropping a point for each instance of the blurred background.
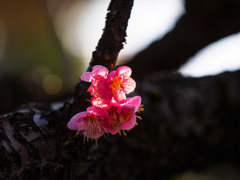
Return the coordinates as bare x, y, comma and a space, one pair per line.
45, 46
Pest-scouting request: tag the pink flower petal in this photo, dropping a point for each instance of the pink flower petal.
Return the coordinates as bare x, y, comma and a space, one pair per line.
129, 85
106, 106
103, 91
113, 130
98, 102
87, 76
119, 96
126, 111
100, 70
106, 126
135, 101
98, 112
119, 116
110, 77
115, 103
76, 121
124, 70
130, 124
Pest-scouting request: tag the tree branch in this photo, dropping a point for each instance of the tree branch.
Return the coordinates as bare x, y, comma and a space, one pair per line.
203, 23
188, 124
107, 50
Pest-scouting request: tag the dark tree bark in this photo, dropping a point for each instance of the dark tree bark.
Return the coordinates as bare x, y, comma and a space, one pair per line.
188, 124
204, 22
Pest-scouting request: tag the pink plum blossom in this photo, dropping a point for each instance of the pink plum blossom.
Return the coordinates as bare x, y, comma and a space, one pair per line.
92, 123
117, 84
98, 102
111, 111
122, 116
97, 73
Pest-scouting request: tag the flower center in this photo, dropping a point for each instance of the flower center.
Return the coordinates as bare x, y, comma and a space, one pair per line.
93, 128
92, 125
115, 119
116, 83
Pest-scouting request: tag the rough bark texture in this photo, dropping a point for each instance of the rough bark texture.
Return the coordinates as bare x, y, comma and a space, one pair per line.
204, 23
188, 124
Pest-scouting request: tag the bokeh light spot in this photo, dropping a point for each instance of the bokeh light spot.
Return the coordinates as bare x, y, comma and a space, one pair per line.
52, 84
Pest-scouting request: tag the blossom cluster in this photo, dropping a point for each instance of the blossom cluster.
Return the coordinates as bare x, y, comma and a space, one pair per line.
111, 111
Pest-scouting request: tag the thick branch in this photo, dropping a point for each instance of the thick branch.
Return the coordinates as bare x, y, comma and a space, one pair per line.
188, 124
204, 22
